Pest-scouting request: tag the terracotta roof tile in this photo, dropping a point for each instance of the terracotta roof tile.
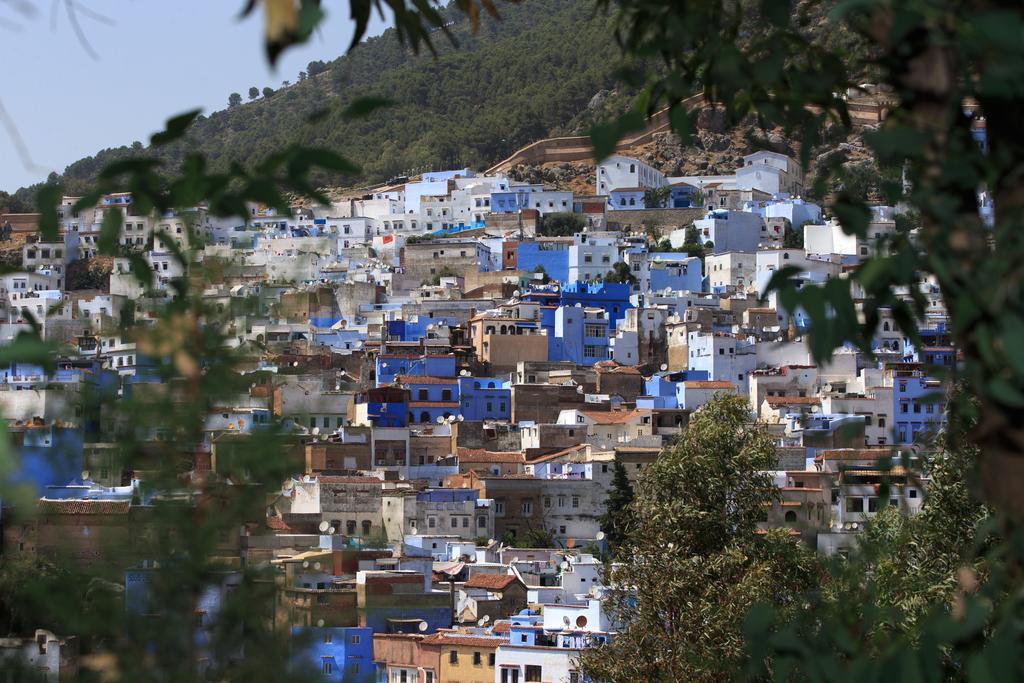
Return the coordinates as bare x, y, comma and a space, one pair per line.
611, 417
709, 384
492, 582
84, 507
793, 400
413, 379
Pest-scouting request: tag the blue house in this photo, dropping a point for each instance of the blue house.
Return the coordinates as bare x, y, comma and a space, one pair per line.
430, 397
388, 366
338, 653
663, 389
552, 255
626, 199
677, 272
580, 335
485, 398
919, 404
683, 196
613, 297
385, 406
46, 455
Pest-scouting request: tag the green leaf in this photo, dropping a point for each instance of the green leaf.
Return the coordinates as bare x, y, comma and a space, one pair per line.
605, 137
28, 347
110, 232
47, 200
176, 127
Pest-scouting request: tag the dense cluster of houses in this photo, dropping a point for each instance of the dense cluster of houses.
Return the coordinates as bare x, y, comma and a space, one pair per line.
457, 390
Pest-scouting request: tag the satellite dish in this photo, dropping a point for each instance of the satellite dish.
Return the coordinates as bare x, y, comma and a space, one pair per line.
422, 626
664, 367
599, 536
439, 420
85, 475
579, 390
324, 526
461, 418
487, 618
331, 531
320, 622
305, 563
316, 565
564, 566
565, 620
316, 431
516, 293
464, 373
570, 543
480, 622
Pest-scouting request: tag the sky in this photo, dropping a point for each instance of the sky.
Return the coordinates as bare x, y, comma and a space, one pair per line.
153, 59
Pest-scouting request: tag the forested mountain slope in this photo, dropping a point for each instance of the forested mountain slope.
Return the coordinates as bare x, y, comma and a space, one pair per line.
524, 77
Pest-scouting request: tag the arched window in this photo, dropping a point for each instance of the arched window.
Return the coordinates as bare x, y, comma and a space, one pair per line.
476, 385
632, 168
785, 256
490, 385
885, 325
424, 417
790, 517
632, 201
366, 527
504, 329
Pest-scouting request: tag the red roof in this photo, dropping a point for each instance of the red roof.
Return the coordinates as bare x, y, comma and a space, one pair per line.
84, 507
491, 582
481, 455
441, 638
612, 417
792, 400
412, 379
706, 384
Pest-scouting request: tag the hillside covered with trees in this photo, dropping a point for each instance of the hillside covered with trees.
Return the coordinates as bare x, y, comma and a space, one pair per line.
527, 76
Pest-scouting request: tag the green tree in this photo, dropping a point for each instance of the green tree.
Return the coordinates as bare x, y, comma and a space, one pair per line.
254, 92
618, 520
656, 197
694, 564
268, 92
620, 273
234, 99
562, 224
793, 238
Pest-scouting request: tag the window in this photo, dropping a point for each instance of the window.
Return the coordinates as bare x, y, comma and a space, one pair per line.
499, 507
430, 676
477, 659
355, 639
490, 659
533, 673
881, 421
527, 507
453, 657
328, 666
575, 501
790, 516
912, 493
872, 505
855, 505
